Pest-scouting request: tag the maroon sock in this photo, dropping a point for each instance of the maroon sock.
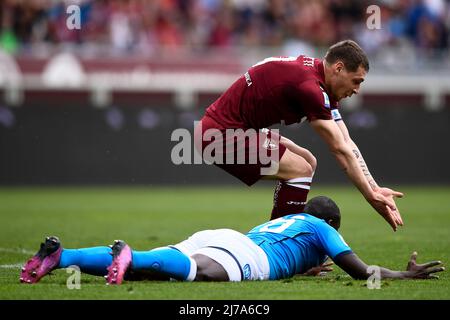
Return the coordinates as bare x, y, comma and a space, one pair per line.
288, 199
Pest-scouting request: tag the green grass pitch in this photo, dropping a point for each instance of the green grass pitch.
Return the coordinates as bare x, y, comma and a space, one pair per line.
151, 217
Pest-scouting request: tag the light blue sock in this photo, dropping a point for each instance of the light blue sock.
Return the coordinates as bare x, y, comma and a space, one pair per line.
168, 261
90, 260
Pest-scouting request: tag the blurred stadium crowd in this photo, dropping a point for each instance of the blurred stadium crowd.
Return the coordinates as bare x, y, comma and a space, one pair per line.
147, 67
144, 26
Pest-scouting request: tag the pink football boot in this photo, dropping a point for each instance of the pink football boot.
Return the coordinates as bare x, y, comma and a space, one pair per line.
44, 261
121, 253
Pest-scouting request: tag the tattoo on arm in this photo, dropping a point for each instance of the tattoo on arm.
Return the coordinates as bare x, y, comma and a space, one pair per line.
365, 169
362, 163
373, 184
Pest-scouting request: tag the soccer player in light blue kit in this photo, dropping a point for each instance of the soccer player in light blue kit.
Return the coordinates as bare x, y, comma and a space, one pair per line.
278, 249
298, 242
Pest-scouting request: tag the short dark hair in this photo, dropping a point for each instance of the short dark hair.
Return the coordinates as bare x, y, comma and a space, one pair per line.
350, 53
324, 208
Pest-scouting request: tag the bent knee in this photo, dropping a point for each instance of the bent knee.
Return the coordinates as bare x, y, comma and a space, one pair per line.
306, 171
293, 166
313, 163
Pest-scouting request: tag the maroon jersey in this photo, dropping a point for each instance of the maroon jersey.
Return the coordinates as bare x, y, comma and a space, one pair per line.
277, 90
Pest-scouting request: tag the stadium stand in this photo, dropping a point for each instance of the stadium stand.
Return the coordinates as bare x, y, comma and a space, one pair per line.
162, 62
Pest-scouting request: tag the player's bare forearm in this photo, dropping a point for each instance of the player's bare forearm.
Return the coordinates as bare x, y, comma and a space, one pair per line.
358, 155
359, 270
386, 273
363, 165
383, 204
329, 131
381, 199
353, 170
381, 190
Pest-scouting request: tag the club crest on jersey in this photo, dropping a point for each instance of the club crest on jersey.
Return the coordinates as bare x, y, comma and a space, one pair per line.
269, 145
247, 272
326, 100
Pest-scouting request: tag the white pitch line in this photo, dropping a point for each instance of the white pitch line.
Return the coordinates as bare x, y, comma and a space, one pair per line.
11, 266
17, 250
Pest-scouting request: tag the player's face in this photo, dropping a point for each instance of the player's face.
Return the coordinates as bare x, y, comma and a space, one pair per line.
345, 83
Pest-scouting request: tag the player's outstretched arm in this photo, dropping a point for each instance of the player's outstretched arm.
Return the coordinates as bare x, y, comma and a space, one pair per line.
370, 179
332, 135
357, 269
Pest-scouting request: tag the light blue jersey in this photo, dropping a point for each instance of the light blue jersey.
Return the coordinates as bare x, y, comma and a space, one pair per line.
296, 243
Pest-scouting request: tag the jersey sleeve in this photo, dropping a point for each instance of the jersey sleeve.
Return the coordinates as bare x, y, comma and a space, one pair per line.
331, 241
314, 101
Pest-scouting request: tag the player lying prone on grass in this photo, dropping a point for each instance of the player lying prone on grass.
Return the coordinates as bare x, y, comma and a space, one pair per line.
294, 244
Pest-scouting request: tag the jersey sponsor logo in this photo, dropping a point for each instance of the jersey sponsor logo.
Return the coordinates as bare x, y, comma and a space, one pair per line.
326, 100
336, 115
247, 272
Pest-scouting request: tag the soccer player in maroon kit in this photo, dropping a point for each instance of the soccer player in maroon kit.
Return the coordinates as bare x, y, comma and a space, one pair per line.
290, 90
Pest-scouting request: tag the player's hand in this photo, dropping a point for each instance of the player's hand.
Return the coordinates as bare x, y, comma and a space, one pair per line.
389, 193
386, 207
423, 271
320, 270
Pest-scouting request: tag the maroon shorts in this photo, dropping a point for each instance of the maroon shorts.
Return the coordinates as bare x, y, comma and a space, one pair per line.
247, 154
